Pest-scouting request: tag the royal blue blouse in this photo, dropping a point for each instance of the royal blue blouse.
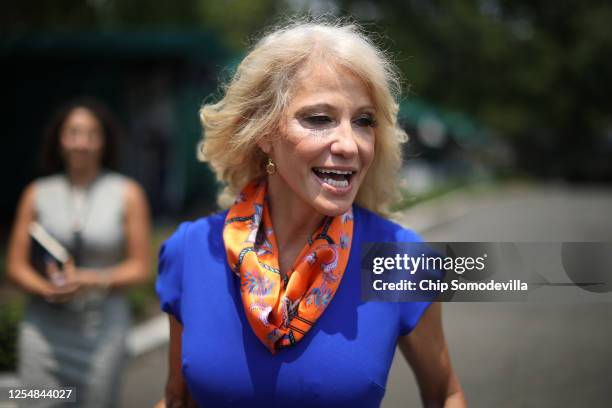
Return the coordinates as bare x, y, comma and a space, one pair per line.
343, 361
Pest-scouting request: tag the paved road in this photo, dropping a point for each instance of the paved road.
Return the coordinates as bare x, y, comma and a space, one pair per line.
506, 355
524, 355
145, 379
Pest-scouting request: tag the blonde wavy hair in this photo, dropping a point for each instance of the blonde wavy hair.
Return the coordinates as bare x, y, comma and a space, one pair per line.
256, 97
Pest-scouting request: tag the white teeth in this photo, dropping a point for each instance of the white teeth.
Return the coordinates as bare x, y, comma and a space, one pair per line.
336, 183
333, 171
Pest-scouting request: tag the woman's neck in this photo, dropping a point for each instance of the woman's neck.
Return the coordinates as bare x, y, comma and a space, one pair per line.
82, 177
293, 220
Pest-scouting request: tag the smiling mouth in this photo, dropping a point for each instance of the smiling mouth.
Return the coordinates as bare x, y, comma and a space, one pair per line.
336, 178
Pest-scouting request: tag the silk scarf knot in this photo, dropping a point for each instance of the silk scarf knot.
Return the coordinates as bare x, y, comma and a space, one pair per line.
282, 306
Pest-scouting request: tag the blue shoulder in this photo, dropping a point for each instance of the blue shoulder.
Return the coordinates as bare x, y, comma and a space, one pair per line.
189, 230
206, 233
376, 228
213, 222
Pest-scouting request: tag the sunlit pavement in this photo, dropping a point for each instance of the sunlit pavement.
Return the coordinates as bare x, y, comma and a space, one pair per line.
524, 355
145, 379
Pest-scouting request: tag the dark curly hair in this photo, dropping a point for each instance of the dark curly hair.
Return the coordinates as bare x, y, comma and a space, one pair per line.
51, 160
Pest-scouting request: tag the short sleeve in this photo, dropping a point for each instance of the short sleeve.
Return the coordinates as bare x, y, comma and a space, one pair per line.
410, 315
410, 312
170, 272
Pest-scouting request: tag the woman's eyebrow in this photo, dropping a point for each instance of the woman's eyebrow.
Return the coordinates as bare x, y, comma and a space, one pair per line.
366, 108
316, 107
328, 107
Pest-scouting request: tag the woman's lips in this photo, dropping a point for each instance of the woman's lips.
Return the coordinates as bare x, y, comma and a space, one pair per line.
335, 181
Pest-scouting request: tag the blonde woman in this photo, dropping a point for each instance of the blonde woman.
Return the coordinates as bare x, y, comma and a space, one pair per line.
264, 298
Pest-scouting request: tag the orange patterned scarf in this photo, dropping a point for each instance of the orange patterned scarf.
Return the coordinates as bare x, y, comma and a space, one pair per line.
281, 306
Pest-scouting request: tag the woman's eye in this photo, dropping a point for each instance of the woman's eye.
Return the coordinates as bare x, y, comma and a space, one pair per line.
318, 120
365, 121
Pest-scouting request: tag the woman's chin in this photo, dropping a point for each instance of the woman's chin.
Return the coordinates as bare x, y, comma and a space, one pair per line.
333, 208
82, 163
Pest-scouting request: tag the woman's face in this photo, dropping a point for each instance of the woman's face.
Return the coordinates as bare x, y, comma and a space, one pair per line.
327, 139
81, 139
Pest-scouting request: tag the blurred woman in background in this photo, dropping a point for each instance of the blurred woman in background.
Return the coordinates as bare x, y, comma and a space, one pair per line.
74, 330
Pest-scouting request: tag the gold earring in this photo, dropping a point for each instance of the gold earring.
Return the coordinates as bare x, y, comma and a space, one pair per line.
270, 167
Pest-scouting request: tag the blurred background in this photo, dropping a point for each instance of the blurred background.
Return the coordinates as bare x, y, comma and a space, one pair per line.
507, 104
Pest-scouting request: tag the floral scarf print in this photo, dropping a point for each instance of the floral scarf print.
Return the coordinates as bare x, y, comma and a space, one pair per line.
282, 306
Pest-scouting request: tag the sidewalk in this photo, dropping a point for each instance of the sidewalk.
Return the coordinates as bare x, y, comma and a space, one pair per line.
145, 378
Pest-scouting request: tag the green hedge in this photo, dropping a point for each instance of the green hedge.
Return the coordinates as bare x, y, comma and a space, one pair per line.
11, 313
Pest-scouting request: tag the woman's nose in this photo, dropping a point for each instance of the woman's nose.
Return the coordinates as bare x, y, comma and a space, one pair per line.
80, 140
344, 143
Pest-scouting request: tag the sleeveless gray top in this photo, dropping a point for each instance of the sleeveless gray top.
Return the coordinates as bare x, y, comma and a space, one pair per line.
101, 216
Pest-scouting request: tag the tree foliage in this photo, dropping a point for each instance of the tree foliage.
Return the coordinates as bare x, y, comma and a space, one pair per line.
524, 68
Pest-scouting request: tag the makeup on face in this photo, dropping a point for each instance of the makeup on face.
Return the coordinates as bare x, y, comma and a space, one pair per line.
327, 141
326, 116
